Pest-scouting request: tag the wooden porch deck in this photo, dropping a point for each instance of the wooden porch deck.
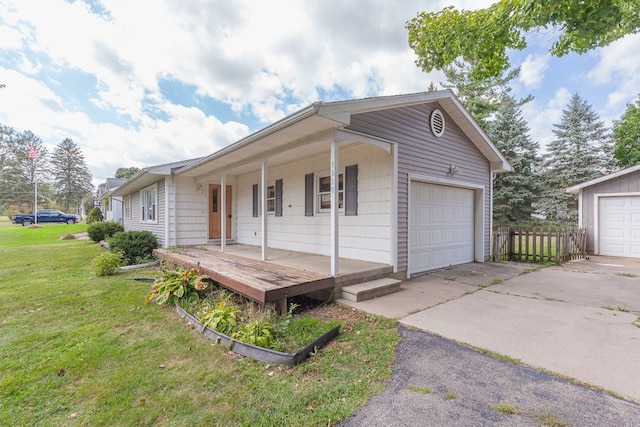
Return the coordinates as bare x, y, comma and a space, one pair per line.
264, 282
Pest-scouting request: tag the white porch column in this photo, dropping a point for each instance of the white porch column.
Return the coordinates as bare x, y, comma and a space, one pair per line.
335, 186
223, 213
263, 203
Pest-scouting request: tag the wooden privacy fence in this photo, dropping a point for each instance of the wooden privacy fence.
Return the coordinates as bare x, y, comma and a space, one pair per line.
539, 244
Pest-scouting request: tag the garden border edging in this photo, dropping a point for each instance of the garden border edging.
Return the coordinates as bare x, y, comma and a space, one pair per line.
255, 352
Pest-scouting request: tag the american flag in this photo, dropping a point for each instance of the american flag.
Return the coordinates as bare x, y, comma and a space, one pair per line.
32, 152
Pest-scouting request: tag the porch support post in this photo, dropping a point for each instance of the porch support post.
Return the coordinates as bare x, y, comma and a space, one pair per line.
223, 213
263, 203
335, 184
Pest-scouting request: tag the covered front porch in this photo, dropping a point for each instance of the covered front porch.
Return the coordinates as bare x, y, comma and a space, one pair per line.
285, 275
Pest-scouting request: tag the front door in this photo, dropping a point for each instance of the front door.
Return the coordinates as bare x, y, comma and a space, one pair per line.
215, 205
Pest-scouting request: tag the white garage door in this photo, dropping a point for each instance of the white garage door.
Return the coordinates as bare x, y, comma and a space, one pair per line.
619, 226
441, 227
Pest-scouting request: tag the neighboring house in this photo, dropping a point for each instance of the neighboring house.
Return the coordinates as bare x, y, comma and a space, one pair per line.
110, 205
402, 180
609, 209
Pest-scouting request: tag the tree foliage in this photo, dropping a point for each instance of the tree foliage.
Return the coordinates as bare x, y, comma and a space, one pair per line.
580, 152
126, 173
482, 37
481, 97
626, 136
71, 176
514, 193
18, 172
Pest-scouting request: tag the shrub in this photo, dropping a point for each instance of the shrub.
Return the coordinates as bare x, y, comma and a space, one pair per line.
222, 318
99, 231
105, 264
257, 332
178, 285
136, 245
95, 215
68, 236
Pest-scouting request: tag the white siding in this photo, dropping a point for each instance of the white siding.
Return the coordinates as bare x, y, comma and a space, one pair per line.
363, 237
135, 222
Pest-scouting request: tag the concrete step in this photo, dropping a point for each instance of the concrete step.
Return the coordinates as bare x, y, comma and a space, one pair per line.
371, 289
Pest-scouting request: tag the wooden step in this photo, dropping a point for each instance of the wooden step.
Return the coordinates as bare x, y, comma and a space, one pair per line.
371, 289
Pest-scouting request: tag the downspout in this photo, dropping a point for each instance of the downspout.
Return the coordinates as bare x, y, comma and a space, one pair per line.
493, 176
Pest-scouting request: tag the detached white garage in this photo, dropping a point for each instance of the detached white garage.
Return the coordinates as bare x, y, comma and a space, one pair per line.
442, 226
609, 209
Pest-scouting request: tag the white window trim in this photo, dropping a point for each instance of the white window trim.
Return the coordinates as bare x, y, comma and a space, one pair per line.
143, 219
327, 174
273, 199
126, 207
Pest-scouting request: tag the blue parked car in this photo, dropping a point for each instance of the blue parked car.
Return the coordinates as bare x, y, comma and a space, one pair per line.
45, 216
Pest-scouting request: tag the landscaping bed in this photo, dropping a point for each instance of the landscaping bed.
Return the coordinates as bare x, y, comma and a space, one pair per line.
241, 325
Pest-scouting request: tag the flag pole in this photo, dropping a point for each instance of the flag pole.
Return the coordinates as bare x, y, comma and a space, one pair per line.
33, 154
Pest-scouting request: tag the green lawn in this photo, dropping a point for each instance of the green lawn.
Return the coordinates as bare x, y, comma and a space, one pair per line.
76, 349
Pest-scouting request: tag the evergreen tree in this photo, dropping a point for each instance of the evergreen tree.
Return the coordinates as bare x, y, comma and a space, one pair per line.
71, 176
626, 136
514, 193
580, 152
19, 172
481, 98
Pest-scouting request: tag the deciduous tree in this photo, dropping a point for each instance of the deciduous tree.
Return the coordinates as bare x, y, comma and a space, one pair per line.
626, 136
482, 37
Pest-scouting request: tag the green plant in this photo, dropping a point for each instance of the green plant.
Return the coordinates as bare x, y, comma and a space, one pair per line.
136, 245
178, 284
105, 264
496, 281
450, 395
94, 215
258, 332
99, 231
68, 236
423, 390
507, 408
223, 318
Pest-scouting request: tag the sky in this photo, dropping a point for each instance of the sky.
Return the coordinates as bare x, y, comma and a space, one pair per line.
147, 82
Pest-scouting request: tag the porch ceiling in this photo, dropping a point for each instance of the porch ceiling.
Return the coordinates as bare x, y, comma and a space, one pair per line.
306, 137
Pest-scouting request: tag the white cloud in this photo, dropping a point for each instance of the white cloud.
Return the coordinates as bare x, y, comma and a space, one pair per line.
618, 66
532, 70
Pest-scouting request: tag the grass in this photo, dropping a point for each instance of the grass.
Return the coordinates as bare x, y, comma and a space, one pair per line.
507, 408
423, 390
76, 349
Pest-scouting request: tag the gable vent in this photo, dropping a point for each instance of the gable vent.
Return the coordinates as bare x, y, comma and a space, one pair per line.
437, 122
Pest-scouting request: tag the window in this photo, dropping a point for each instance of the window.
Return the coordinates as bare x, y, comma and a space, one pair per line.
148, 198
347, 192
127, 207
324, 192
273, 197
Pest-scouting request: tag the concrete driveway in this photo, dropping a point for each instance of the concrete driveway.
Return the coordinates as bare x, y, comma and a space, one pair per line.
580, 320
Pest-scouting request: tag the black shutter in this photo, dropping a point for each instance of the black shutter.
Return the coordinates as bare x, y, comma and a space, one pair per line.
351, 190
255, 200
278, 197
308, 194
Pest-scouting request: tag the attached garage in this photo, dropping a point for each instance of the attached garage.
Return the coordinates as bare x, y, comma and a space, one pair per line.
442, 226
609, 209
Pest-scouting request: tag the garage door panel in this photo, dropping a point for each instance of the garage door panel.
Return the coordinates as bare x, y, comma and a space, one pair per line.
619, 226
441, 226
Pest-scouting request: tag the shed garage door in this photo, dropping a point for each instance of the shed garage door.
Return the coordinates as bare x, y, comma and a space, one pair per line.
619, 226
441, 226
